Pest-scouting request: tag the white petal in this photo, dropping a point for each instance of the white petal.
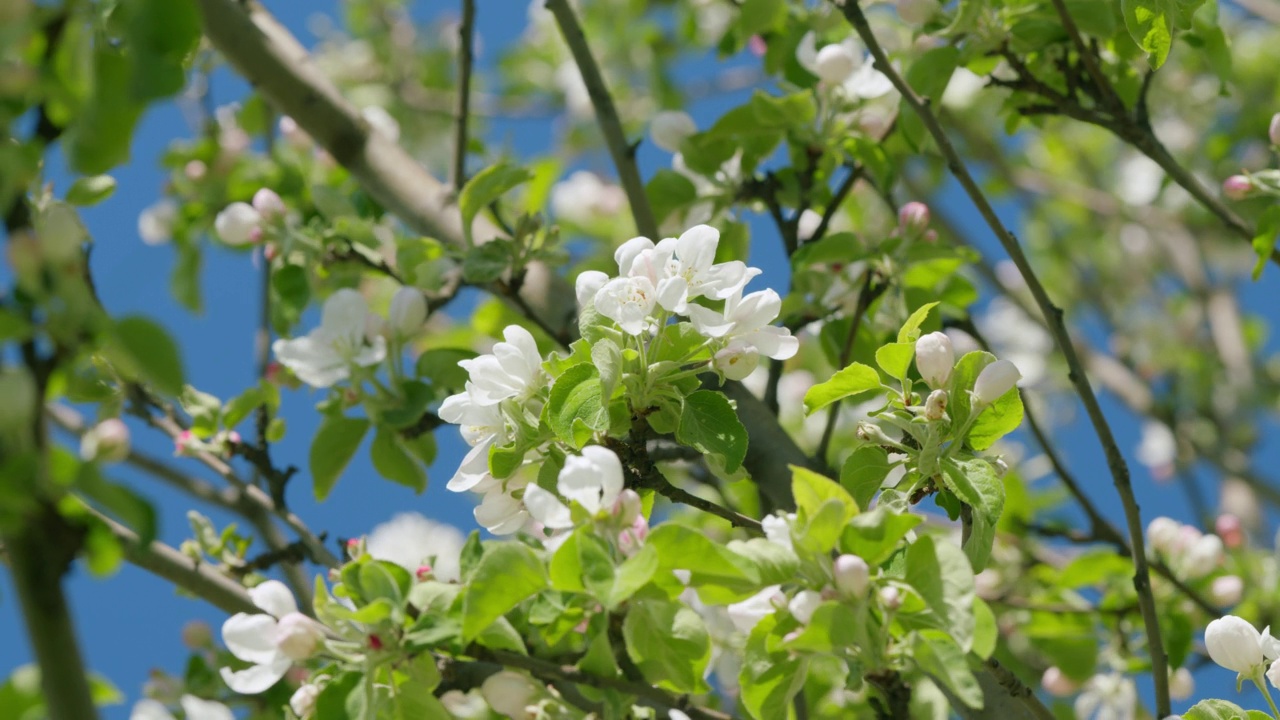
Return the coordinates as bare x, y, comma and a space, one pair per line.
251, 637
725, 279
500, 514
343, 312
610, 469
547, 508
708, 322
673, 294
312, 358
149, 709
274, 597
696, 247
756, 310
258, 678
200, 709
371, 354
627, 252
473, 470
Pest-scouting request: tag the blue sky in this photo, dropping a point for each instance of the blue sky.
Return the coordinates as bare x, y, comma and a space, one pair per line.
130, 623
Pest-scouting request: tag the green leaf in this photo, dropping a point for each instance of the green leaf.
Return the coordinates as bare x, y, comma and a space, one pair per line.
771, 675
1214, 709
143, 349
1264, 242
931, 72
507, 574
675, 657
998, 419
985, 630
485, 187
332, 448
1150, 23
576, 398
719, 575
632, 574
669, 191
380, 579
486, 263
864, 472
760, 16
161, 36
895, 358
874, 536
823, 510
607, 357
709, 423
939, 656
441, 367
331, 704
853, 380
975, 483
102, 132
393, 461
941, 574
910, 331
91, 190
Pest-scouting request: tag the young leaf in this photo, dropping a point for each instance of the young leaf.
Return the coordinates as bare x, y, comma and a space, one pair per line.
332, 448
853, 380
393, 461
1150, 23
576, 397
91, 190
485, 187
675, 657
144, 349
507, 574
709, 423
939, 656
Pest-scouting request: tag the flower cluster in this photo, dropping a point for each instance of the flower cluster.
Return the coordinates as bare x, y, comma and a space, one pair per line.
1190, 553
657, 281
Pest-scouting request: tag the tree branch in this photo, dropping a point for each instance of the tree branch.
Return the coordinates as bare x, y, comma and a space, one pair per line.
466, 38
1115, 458
623, 153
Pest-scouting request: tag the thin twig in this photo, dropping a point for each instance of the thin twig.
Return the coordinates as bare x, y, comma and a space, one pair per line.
623, 153
466, 37
680, 495
1115, 458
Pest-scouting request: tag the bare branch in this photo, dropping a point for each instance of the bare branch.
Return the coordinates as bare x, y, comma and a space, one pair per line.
466, 37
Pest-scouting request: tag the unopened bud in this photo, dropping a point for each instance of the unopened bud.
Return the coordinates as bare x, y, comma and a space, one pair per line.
994, 381
408, 312
935, 407
917, 12
197, 635
913, 219
1227, 590
872, 433
185, 443
1230, 529
268, 204
852, 575
1181, 684
1237, 187
628, 506
107, 442
238, 224
1056, 683
195, 170
297, 636
1162, 534
155, 223
632, 537
1000, 466
1273, 131
835, 63
423, 572
935, 358
303, 702
1203, 557
669, 128
890, 597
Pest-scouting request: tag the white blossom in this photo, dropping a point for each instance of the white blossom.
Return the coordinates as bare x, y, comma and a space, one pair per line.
746, 614
1202, 557
691, 271
777, 529
1056, 683
994, 381
325, 355
587, 285
303, 700
808, 223
500, 513
512, 370
628, 301
747, 318
238, 224
1107, 697
835, 63
268, 204
1235, 644
256, 638
592, 479
193, 708
736, 360
1162, 534
411, 540
155, 223
482, 426
1181, 684
1227, 590
584, 197
1158, 447
669, 128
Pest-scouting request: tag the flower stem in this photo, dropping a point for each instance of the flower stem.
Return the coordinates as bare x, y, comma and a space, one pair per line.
1266, 693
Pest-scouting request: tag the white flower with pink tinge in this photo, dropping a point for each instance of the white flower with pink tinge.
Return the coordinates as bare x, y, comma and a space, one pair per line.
746, 320
592, 479
325, 355
193, 708
272, 641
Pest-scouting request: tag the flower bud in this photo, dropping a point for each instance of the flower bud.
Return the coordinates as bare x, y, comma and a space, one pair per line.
1000, 466
155, 223
736, 361
422, 573
852, 575
913, 218
1162, 534
61, 233
891, 598
303, 701
298, 635
835, 63
1230, 529
197, 635
873, 433
1234, 644
632, 538
18, 389
238, 224
107, 442
508, 693
669, 128
1227, 590
195, 170
1181, 684
1237, 187
1273, 131
268, 204
408, 312
628, 507
1056, 683
935, 358
803, 605
935, 406
994, 381
1203, 557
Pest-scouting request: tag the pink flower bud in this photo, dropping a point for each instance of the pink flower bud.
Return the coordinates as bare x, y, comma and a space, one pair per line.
185, 443
1237, 187
1273, 132
238, 224
195, 170
107, 442
1056, 683
1231, 531
913, 218
1227, 590
423, 572
852, 575
268, 204
891, 598
375, 642
757, 45
628, 506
